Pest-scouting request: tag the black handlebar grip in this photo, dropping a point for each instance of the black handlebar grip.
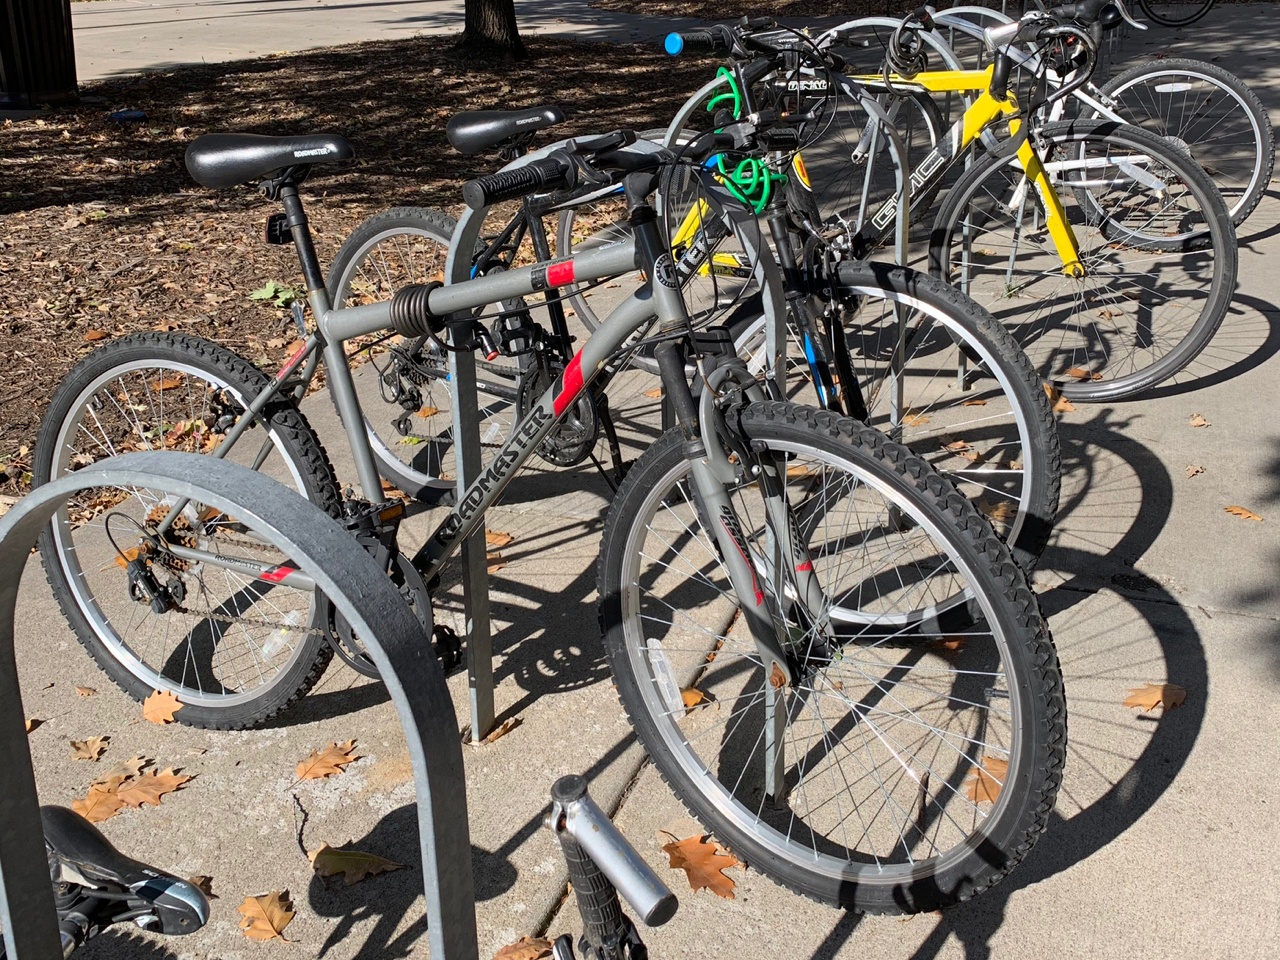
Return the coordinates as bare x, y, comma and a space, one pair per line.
695, 41
547, 173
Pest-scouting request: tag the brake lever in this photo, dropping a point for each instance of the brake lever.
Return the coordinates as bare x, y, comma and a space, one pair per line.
1124, 12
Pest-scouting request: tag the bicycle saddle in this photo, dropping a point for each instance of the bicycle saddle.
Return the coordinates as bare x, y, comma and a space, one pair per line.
226, 159
478, 130
80, 854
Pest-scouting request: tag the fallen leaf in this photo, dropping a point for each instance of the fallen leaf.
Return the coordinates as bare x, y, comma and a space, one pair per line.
391, 490
90, 749
121, 559
354, 865
150, 787
86, 691
101, 802
167, 383
798, 470
1152, 695
703, 863
32, 723
985, 780
1194, 470
914, 419
125, 768
197, 751
502, 729
692, 696
204, 885
957, 445
93, 335
1082, 374
1198, 420
1242, 512
974, 402
1004, 510
496, 562
656, 392
325, 763
160, 707
266, 915
952, 643
427, 411
1060, 403
526, 948
497, 538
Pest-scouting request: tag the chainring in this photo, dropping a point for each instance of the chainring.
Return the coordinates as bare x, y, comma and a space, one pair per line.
573, 438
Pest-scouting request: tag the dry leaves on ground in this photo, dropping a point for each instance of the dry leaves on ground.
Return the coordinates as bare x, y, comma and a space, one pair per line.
325, 763
495, 561
985, 780
1244, 513
94, 335
1060, 403
204, 885
354, 865
526, 948
125, 768
497, 538
704, 863
952, 643
692, 696
1198, 420
655, 393
974, 402
160, 706
149, 787
90, 749
266, 915
1194, 470
1152, 695
497, 733
86, 691
1004, 510
1082, 374
32, 723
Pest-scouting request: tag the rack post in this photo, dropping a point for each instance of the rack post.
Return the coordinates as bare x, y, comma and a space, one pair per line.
360, 590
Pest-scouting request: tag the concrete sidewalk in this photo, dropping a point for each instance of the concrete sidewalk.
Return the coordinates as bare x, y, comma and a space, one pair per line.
116, 37
1163, 841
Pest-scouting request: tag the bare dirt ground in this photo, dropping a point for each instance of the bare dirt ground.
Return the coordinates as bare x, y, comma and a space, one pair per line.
103, 233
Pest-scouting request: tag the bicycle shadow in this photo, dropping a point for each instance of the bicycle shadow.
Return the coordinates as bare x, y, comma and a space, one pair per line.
119, 944
1113, 482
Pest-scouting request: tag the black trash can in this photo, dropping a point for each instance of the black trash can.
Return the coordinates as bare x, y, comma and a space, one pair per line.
37, 55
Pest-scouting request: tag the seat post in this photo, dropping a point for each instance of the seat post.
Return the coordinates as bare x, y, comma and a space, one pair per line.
297, 220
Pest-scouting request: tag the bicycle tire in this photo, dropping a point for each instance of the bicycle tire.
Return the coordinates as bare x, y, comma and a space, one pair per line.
1177, 118
640, 653
1077, 372
987, 344
1164, 15
174, 357
421, 461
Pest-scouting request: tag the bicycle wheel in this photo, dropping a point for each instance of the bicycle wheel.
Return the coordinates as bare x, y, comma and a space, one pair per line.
961, 394
403, 385
234, 650
1155, 240
890, 741
1206, 112
1176, 13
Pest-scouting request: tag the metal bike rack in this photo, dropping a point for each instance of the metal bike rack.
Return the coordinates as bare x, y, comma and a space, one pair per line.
359, 589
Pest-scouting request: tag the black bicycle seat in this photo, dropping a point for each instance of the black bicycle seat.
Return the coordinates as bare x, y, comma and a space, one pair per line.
226, 159
478, 130
79, 843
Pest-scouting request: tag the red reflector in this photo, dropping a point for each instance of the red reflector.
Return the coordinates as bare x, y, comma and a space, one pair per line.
277, 574
558, 274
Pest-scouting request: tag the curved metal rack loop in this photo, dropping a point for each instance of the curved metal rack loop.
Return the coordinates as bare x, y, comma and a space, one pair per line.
358, 588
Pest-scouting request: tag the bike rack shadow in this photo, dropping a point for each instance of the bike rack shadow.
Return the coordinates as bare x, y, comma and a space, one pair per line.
1068, 841
359, 589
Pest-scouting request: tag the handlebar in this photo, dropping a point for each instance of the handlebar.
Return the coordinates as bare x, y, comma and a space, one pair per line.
550, 173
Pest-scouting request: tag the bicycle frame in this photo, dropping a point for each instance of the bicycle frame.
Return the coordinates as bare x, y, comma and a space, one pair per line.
653, 303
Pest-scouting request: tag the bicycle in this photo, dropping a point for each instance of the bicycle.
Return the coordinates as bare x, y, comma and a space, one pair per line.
988, 427
1135, 202
1176, 13
1200, 107
822, 565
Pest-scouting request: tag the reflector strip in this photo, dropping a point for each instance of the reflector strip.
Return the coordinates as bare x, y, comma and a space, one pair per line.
559, 273
572, 380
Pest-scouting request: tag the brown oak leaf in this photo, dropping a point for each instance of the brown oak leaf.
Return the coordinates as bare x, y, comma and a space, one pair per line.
692, 696
984, 781
656, 392
32, 723
125, 768
101, 802
526, 948
1244, 513
1060, 403
325, 763
502, 729
974, 402
150, 787
703, 862
266, 915
90, 749
1152, 695
93, 335
1082, 374
427, 411
86, 691
497, 538
1198, 420
160, 706
354, 865
204, 885
1194, 470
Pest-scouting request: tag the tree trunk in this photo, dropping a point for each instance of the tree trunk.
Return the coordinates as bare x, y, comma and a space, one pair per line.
491, 30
